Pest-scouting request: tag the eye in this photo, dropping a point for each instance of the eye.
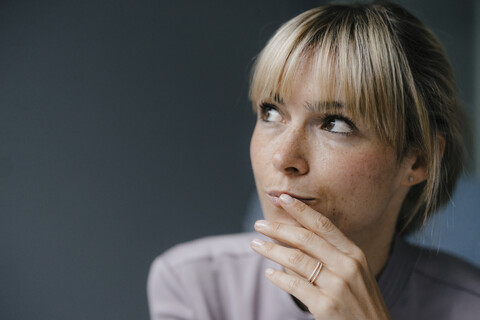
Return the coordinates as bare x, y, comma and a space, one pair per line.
338, 124
269, 113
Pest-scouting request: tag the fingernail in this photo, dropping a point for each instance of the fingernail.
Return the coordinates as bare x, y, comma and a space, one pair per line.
269, 271
261, 224
286, 198
257, 242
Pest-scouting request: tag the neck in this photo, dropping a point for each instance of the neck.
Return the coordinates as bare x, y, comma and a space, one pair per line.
376, 248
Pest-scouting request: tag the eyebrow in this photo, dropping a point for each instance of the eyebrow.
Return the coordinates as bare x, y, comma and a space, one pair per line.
277, 98
318, 106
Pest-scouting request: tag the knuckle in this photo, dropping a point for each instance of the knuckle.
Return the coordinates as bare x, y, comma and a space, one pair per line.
305, 237
328, 306
358, 255
322, 223
296, 258
276, 227
300, 206
353, 268
293, 284
339, 284
267, 248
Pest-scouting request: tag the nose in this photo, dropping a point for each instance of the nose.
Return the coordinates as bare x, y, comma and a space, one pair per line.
290, 155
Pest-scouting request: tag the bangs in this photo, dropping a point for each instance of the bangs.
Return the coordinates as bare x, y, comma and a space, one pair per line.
386, 68
351, 58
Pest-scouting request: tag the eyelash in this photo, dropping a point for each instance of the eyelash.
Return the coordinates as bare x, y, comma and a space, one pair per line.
328, 118
264, 108
325, 119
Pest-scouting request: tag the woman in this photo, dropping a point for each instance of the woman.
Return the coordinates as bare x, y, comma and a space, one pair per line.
357, 143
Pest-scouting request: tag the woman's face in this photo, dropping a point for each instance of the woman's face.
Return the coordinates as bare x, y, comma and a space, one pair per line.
314, 151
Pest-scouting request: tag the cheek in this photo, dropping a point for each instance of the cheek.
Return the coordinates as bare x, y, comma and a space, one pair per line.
254, 150
366, 176
258, 152
355, 187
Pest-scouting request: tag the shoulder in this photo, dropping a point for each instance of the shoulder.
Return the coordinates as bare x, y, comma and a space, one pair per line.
420, 283
448, 271
443, 286
203, 276
212, 263
234, 246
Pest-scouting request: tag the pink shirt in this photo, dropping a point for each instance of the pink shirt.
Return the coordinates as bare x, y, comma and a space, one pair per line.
222, 278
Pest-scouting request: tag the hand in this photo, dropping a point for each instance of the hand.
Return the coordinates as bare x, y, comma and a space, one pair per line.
345, 287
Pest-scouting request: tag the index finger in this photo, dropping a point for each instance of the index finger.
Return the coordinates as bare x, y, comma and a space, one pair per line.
315, 222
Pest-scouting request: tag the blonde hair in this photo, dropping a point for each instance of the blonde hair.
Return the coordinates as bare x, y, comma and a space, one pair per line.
391, 71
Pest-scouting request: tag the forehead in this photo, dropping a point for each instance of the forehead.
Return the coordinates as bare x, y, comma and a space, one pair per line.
279, 74
313, 81
306, 91
308, 85
323, 81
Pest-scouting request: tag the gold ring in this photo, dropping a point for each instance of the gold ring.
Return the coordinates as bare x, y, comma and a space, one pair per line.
316, 272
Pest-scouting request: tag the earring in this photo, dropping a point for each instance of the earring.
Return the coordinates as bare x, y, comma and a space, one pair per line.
410, 179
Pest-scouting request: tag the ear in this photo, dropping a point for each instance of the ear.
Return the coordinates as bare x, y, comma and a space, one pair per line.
416, 168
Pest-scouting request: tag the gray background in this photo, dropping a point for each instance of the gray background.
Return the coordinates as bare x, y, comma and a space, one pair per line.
124, 129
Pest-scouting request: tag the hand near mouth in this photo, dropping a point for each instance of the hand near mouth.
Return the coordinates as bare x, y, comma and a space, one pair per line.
275, 197
331, 276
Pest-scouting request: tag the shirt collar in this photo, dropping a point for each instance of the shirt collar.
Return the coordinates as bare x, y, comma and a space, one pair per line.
398, 270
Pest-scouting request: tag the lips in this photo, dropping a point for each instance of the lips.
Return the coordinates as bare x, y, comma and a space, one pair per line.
275, 194
293, 195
